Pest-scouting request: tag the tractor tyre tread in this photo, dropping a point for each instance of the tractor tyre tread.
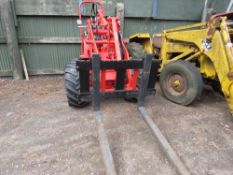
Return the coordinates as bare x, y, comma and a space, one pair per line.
72, 84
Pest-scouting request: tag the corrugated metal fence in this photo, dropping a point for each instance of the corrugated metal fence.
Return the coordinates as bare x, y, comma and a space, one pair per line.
49, 37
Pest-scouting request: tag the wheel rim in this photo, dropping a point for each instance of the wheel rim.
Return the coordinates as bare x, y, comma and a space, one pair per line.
176, 84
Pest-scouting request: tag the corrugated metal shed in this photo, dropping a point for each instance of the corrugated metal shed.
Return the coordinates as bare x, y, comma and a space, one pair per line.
43, 23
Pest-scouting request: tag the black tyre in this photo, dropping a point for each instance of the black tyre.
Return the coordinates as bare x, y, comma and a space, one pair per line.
136, 51
181, 82
216, 86
72, 83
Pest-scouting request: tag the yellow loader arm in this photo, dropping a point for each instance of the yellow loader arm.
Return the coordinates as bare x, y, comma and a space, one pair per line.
206, 45
210, 43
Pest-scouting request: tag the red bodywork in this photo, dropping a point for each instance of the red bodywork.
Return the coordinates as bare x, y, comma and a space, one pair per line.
101, 35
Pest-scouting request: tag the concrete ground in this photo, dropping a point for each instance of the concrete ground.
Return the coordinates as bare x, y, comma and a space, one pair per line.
41, 135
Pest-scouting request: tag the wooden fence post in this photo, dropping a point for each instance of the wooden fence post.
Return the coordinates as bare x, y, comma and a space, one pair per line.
7, 18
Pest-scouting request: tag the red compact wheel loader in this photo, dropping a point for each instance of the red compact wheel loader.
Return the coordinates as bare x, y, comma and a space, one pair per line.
101, 42
105, 68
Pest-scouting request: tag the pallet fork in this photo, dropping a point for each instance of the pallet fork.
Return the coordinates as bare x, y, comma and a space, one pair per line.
147, 66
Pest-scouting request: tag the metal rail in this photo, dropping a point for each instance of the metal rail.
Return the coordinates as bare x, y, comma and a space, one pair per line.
229, 6
205, 12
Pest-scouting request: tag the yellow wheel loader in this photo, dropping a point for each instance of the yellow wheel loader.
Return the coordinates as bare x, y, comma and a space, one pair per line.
191, 55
